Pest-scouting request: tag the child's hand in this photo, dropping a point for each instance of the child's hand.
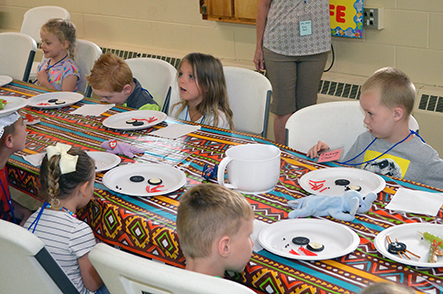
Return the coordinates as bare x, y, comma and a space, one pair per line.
313, 152
42, 77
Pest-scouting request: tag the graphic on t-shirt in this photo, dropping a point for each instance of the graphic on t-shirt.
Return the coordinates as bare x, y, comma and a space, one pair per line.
387, 164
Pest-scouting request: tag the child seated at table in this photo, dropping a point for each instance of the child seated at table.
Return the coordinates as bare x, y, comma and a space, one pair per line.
214, 225
111, 79
389, 147
203, 92
67, 184
12, 139
387, 288
58, 70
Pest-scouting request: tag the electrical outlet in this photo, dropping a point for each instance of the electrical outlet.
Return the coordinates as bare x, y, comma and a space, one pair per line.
373, 18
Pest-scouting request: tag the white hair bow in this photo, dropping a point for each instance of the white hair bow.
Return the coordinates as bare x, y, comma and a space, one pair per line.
67, 162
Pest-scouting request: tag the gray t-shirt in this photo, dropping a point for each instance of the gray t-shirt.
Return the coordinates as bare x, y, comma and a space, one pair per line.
412, 160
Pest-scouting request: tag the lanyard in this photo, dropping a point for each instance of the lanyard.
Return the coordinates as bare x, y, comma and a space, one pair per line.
8, 198
186, 117
47, 205
392, 147
51, 66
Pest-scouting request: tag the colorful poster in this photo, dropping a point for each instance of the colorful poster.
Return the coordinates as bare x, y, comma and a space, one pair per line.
346, 18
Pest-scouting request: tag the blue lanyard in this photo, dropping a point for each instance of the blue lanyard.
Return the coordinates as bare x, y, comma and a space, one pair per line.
47, 205
8, 198
51, 66
392, 147
186, 117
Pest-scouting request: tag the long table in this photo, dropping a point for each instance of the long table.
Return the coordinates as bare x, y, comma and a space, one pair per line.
146, 226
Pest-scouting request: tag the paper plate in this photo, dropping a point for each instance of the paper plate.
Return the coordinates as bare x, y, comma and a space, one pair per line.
13, 104
119, 179
4, 80
104, 160
408, 234
322, 181
149, 118
43, 100
337, 239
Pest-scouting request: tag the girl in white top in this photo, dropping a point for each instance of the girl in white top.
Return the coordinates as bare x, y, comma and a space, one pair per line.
203, 92
67, 181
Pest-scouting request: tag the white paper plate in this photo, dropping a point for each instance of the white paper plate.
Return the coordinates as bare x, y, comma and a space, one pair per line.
42, 100
338, 239
326, 177
104, 160
4, 80
118, 179
408, 234
148, 117
13, 104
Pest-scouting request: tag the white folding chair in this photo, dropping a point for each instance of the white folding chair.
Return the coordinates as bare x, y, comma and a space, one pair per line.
86, 53
338, 124
34, 19
27, 267
126, 273
17, 53
249, 95
155, 75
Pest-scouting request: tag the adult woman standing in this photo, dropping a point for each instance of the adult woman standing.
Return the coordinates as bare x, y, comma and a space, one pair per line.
293, 39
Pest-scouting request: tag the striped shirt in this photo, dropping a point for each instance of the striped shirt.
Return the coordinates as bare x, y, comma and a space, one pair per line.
67, 239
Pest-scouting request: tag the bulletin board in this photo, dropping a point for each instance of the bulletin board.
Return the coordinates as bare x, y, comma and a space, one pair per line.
346, 18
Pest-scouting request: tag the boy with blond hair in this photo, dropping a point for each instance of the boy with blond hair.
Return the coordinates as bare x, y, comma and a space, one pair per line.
214, 225
12, 139
111, 79
390, 147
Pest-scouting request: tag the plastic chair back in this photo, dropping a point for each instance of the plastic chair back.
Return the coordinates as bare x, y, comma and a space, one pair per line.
27, 267
86, 53
17, 53
126, 273
36, 17
338, 124
155, 75
249, 95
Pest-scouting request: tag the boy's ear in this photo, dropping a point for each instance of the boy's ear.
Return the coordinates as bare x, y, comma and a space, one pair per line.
127, 89
9, 142
224, 246
398, 113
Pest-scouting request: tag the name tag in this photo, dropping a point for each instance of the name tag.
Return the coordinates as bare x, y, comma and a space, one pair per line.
305, 28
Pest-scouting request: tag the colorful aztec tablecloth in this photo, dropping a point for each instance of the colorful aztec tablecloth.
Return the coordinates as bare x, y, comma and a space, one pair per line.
147, 226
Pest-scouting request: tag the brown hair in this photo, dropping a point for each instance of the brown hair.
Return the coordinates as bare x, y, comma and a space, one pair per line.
110, 73
55, 186
208, 71
206, 212
387, 288
64, 31
395, 87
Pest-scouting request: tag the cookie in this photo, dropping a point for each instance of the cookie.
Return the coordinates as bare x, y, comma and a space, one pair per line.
155, 181
137, 179
130, 121
353, 187
342, 182
138, 123
58, 102
52, 100
315, 246
300, 240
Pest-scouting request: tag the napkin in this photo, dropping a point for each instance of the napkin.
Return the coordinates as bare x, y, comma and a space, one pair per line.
416, 201
35, 159
93, 109
258, 226
175, 131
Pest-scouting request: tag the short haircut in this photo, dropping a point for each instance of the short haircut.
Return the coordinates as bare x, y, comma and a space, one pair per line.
387, 288
395, 87
208, 211
110, 73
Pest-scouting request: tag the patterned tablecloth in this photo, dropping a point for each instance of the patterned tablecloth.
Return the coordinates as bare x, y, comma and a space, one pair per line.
146, 226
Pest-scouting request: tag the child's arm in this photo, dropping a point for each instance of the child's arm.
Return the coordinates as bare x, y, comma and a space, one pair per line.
69, 83
90, 277
320, 146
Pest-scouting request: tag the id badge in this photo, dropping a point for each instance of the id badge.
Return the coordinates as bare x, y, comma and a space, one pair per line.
305, 28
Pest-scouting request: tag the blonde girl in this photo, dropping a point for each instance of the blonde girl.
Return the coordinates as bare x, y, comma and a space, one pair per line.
203, 92
58, 70
67, 184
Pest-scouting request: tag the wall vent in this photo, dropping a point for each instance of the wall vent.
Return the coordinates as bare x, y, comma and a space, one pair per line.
339, 87
125, 54
428, 111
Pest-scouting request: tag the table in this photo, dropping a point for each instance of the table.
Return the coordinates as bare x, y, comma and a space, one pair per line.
147, 226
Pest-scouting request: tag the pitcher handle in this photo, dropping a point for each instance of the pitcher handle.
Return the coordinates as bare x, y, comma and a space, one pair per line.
221, 172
